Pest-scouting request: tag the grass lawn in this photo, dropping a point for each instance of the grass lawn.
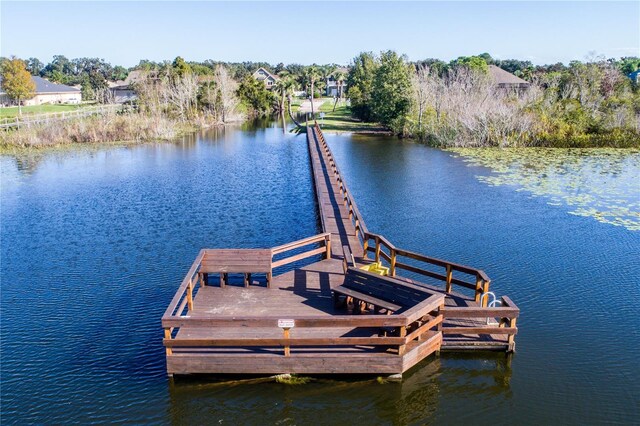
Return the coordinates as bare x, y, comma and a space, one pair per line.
11, 112
342, 121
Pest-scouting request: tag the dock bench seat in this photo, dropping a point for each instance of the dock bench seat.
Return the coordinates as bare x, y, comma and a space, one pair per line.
382, 292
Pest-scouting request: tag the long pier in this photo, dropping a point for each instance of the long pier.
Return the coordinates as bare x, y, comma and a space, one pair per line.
309, 307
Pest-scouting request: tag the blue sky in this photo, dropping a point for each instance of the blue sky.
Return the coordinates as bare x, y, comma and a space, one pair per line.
308, 32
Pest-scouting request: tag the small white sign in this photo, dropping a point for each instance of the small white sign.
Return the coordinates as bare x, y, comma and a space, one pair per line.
286, 323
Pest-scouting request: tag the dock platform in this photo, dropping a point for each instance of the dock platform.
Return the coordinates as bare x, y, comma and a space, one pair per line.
282, 310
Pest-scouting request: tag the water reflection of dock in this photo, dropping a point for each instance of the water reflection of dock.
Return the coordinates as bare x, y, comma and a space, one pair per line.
309, 307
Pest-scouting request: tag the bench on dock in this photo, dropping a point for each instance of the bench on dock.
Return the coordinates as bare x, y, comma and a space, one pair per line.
236, 261
382, 292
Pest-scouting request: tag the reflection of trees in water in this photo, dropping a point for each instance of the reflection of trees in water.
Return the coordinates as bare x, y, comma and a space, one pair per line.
488, 375
28, 163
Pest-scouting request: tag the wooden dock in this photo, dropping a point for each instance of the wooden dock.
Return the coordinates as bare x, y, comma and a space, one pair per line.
250, 312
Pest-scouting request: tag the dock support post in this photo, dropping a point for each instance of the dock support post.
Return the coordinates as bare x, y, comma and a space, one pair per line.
377, 249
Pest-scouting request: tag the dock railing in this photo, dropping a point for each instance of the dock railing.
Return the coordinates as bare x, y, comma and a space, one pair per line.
347, 199
443, 271
421, 322
186, 292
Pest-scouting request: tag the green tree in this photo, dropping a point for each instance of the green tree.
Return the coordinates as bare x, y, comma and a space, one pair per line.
34, 66
16, 81
360, 83
474, 63
119, 73
392, 91
255, 96
180, 67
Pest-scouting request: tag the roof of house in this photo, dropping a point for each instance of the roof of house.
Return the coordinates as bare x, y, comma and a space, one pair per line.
267, 74
44, 86
501, 76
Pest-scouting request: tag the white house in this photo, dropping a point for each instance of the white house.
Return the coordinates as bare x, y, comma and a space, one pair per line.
263, 75
47, 93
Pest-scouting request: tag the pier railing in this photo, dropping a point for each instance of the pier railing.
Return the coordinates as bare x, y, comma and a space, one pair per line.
295, 251
421, 322
347, 199
449, 273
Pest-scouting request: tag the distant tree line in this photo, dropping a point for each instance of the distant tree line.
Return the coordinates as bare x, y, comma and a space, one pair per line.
590, 103
441, 103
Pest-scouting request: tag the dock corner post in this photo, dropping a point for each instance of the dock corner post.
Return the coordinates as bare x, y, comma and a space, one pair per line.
512, 337
167, 336
269, 276
441, 309
377, 248
449, 278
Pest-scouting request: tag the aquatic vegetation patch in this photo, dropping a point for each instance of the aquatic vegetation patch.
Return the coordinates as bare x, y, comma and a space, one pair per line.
601, 183
292, 379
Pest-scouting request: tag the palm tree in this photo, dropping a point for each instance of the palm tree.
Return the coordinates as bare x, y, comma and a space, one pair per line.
339, 77
312, 74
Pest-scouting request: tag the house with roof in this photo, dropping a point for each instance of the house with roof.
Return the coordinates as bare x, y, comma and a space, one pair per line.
124, 90
507, 81
47, 93
269, 79
333, 87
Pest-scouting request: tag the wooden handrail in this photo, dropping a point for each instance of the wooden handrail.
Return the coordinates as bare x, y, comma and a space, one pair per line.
480, 286
350, 202
184, 286
300, 321
300, 243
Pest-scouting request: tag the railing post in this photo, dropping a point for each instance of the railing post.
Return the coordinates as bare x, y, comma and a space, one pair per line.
365, 245
449, 278
167, 335
485, 301
403, 333
377, 249
392, 267
287, 348
328, 245
190, 295
478, 288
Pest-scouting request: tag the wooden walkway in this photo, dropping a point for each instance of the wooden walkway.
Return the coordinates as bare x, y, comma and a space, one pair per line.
231, 316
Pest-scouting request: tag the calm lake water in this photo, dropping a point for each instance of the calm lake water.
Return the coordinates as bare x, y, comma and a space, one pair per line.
95, 242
